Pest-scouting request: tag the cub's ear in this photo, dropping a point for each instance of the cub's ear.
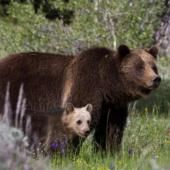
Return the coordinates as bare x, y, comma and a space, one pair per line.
89, 107
123, 50
69, 107
153, 51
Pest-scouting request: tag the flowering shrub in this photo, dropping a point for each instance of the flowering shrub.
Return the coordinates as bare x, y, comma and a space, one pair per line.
14, 154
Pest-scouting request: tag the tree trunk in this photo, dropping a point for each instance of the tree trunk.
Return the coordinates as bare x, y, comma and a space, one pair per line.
162, 34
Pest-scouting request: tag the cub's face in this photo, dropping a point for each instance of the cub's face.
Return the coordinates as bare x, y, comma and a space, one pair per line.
77, 120
139, 70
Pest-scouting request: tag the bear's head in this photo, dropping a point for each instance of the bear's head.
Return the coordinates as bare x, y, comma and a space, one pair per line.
77, 120
138, 69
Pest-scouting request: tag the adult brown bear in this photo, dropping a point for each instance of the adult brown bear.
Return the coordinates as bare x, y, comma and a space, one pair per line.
107, 79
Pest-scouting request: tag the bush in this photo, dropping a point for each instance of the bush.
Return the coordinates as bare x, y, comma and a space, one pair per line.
102, 23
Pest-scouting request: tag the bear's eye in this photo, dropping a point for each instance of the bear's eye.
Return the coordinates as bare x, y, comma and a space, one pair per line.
88, 122
79, 122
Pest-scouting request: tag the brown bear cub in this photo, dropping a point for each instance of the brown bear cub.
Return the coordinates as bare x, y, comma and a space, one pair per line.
64, 125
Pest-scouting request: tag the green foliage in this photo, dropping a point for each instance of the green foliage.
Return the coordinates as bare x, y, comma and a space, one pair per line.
106, 23
140, 19
45, 6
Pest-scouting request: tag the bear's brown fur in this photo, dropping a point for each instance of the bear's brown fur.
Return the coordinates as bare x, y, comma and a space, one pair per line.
107, 79
41, 75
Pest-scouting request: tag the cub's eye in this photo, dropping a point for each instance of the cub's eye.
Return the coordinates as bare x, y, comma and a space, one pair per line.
88, 122
79, 122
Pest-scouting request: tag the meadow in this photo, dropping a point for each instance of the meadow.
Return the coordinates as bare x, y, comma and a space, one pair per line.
146, 141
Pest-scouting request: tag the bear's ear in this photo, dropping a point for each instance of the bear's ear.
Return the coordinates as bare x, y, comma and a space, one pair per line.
89, 107
69, 108
123, 51
153, 51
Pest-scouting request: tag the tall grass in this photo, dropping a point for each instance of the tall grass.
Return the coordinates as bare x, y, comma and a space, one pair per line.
146, 145
14, 153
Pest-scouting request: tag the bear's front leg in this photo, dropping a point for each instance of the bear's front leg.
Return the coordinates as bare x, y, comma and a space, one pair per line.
115, 127
109, 132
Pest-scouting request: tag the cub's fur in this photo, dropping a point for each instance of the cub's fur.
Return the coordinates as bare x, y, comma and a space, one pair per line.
63, 126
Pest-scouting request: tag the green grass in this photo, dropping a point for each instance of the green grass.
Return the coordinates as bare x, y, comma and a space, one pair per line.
146, 144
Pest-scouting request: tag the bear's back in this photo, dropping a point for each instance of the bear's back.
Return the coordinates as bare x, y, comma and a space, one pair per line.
42, 75
33, 62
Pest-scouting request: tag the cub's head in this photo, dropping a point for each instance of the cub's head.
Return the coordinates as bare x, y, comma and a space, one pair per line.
77, 120
138, 69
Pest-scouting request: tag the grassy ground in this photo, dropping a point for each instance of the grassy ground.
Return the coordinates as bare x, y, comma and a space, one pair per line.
146, 145
146, 142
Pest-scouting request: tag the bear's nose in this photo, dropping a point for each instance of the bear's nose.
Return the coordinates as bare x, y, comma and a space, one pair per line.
87, 132
157, 80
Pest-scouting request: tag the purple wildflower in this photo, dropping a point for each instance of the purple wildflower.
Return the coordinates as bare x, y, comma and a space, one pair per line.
54, 145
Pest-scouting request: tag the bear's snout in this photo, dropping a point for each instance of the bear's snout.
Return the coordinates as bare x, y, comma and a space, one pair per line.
156, 81
86, 132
